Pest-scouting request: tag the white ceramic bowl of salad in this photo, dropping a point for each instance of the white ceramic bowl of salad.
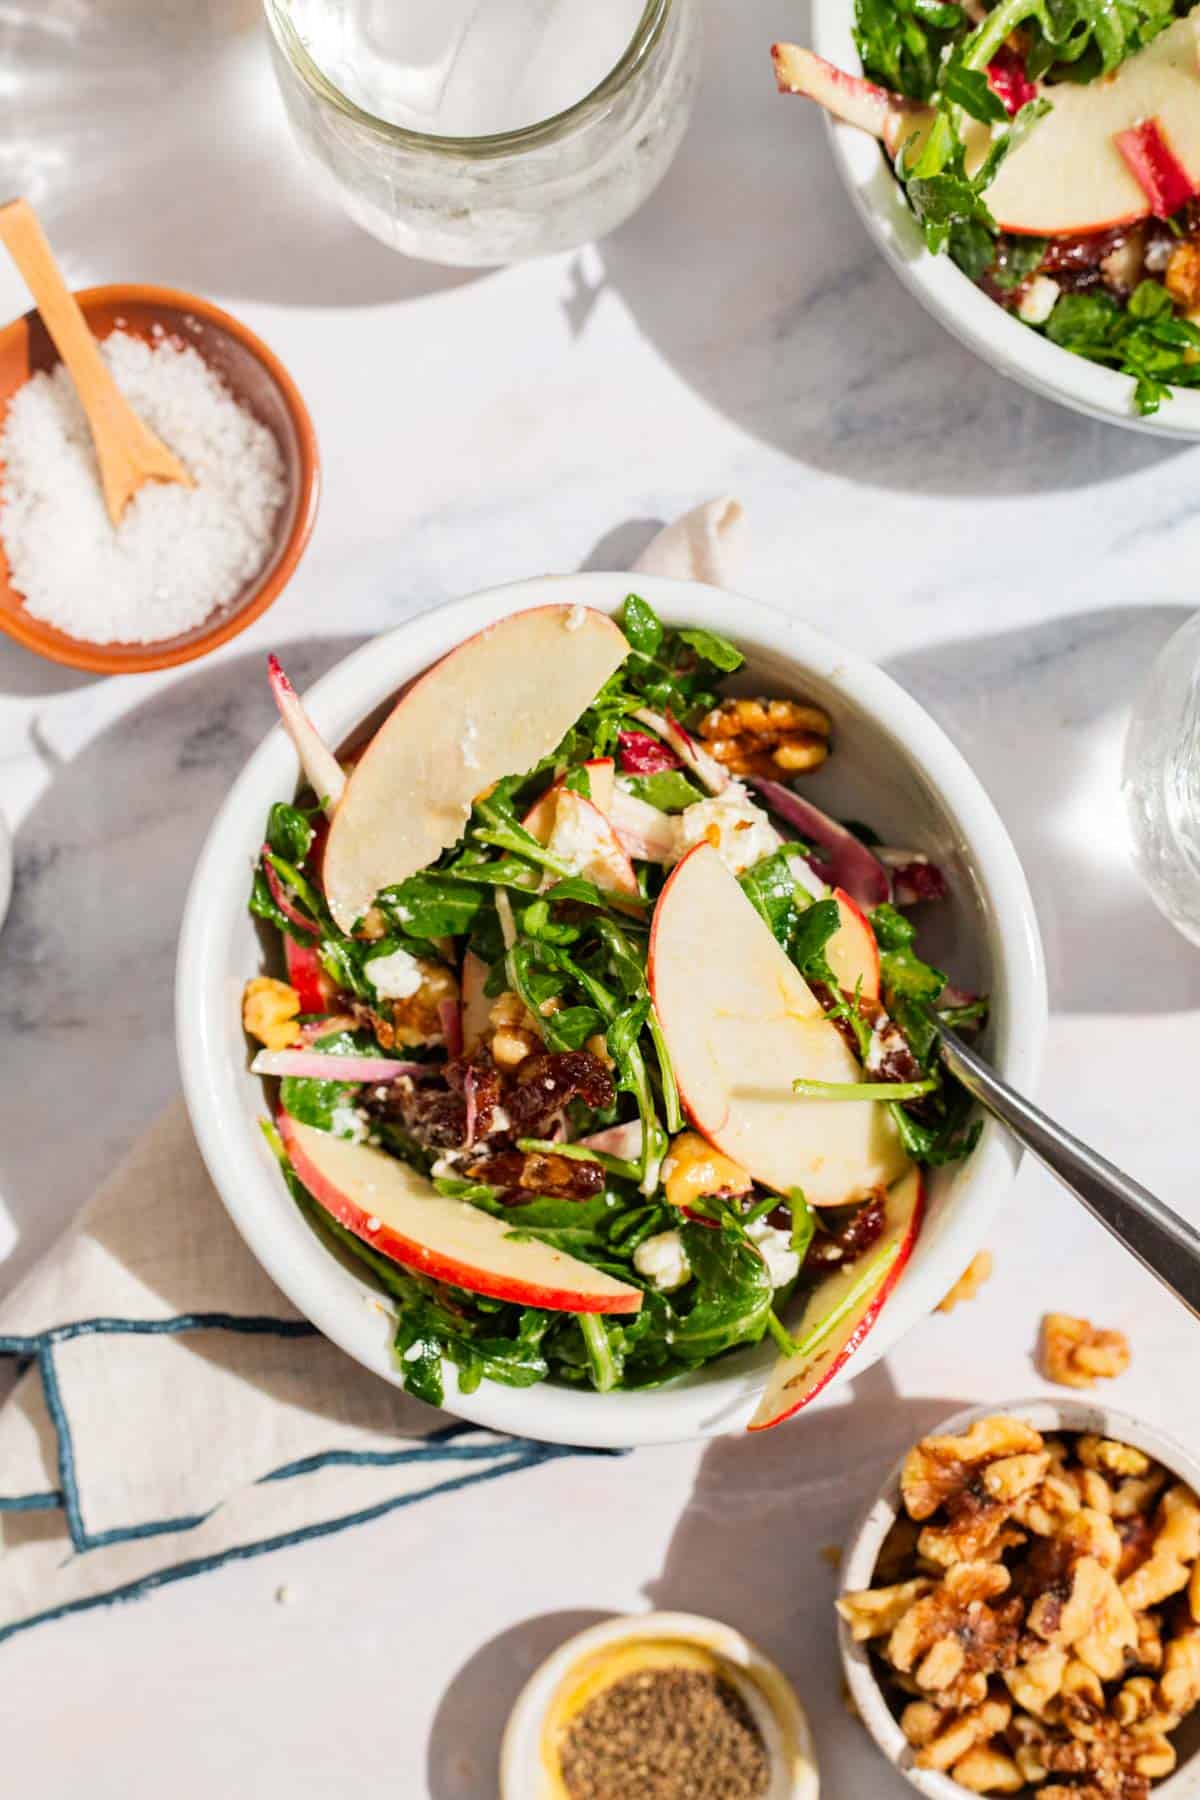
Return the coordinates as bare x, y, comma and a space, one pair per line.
1000, 338
892, 766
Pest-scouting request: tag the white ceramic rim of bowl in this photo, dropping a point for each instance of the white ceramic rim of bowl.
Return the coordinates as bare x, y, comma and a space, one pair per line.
964, 309
1044, 1413
245, 1175
521, 1762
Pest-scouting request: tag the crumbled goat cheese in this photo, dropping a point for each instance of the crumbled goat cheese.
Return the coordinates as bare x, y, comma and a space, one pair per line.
500, 1120
775, 1248
348, 1122
1039, 300
446, 1165
178, 553
662, 1259
415, 1352
394, 977
744, 833
578, 839
1159, 252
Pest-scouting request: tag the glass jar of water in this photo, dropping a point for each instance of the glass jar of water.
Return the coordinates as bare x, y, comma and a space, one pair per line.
1161, 780
485, 131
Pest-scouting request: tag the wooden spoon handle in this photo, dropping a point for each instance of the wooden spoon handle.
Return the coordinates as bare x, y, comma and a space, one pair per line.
127, 450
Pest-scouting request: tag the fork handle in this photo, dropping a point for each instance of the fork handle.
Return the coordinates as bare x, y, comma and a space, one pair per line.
1160, 1240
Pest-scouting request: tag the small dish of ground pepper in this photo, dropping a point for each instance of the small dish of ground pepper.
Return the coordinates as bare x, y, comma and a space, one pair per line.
664, 1707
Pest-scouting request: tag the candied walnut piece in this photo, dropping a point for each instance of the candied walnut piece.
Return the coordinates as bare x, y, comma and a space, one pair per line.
986, 1770
938, 1467
963, 1733
766, 737
1179, 1684
977, 1271
1111, 1457
1136, 1494
1094, 1619
1037, 1680
921, 1721
1076, 1353
269, 1012
1182, 276
1175, 1548
1092, 1533
957, 1609
875, 1612
1149, 1641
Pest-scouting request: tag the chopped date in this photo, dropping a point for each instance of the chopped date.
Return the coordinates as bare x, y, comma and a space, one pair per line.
545, 1083
520, 1174
850, 1239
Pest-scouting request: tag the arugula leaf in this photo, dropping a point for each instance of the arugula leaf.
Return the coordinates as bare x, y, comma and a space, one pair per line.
669, 790
641, 625
289, 832
1145, 340
770, 888
430, 905
731, 1293
901, 41
814, 928
713, 648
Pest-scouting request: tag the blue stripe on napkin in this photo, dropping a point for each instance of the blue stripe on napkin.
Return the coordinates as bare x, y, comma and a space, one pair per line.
475, 1463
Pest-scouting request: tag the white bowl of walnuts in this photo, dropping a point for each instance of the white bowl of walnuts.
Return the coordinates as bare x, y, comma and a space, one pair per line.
1020, 1608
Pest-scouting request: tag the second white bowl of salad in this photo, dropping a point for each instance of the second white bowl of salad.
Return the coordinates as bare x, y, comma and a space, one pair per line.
551, 1008
1050, 156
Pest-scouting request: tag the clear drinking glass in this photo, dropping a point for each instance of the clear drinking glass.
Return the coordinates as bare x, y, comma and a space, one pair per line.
1161, 780
449, 129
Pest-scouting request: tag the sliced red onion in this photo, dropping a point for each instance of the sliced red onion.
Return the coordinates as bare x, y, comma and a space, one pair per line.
848, 863
914, 877
471, 1098
450, 1015
643, 830
283, 899
643, 755
702, 765
622, 1141
318, 1065
320, 765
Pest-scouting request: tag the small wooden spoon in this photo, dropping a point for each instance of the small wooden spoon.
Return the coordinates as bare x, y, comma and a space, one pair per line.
128, 452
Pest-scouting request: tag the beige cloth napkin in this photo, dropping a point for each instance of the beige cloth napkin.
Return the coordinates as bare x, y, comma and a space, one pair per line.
176, 1412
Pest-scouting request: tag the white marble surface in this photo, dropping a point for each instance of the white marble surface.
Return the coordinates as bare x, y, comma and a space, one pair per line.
1015, 566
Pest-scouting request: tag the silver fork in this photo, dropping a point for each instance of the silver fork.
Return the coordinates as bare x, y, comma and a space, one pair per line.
1160, 1240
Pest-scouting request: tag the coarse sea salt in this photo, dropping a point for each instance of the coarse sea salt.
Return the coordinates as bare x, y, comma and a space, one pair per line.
178, 553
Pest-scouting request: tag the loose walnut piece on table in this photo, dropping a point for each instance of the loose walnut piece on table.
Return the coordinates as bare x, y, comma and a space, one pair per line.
766, 737
269, 1012
977, 1271
1064, 1650
1075, 1353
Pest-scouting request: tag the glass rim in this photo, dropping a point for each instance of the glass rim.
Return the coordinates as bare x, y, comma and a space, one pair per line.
646, 34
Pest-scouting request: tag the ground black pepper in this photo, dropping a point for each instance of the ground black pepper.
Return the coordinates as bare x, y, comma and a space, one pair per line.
665, 1734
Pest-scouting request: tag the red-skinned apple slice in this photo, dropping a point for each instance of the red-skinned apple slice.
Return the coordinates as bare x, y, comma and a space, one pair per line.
741, 1023
852, 951
583, 839
476, 1007
1068, 176
848, 97
842, 1308
321, 767
395, 1210
1155, 167
306, 975
493, 707
602, 772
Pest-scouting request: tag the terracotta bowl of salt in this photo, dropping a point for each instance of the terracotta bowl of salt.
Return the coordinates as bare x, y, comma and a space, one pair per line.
255, 378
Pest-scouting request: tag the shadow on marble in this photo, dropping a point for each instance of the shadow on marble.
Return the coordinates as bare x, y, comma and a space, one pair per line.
464, 1740
185, 107
1040, 715
752, 275
755, 1544
87, 953
28, 676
